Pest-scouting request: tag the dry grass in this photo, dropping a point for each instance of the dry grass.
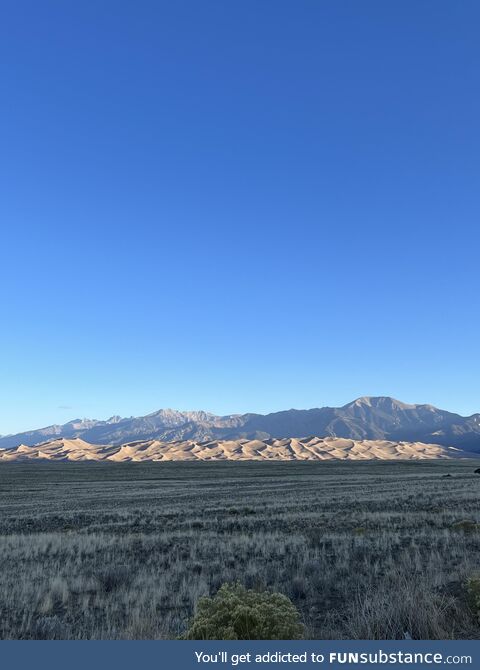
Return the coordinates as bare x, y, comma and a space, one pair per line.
365, 550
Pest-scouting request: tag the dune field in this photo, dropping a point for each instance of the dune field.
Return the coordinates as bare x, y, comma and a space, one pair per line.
288, 449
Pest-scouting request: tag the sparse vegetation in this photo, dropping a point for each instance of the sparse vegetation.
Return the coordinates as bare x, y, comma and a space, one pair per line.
363, 550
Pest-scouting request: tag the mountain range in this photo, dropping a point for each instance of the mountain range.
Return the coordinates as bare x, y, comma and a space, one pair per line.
367, 418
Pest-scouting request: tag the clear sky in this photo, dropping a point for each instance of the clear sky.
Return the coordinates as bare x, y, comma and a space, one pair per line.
237, 206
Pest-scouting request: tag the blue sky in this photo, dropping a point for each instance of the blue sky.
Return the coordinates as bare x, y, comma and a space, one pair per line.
237, 206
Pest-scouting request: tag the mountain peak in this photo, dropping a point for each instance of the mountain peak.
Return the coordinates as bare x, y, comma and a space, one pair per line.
115, 419
380, 402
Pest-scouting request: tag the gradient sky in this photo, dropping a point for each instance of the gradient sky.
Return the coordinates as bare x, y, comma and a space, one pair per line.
237, 206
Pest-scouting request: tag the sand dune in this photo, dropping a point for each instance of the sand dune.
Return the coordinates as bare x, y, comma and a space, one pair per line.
289, 449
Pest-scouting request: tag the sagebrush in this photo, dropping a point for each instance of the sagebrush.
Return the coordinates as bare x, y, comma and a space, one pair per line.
237, 613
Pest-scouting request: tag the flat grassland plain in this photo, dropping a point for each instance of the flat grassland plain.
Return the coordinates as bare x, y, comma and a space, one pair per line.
364, 549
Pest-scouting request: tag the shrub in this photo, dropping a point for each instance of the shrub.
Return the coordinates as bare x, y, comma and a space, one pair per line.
241, 511
473, 590
113, 578
236, 613
466, 526
359, 530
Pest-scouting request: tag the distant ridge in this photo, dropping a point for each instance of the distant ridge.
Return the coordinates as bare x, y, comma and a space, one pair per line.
288, 449
366, 418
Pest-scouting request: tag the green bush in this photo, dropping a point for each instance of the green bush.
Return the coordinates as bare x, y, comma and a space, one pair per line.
466, 526
359, 530
235, 613
473, 590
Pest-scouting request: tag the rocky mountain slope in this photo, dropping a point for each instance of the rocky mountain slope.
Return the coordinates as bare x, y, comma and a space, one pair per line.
288, 449
368, 418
